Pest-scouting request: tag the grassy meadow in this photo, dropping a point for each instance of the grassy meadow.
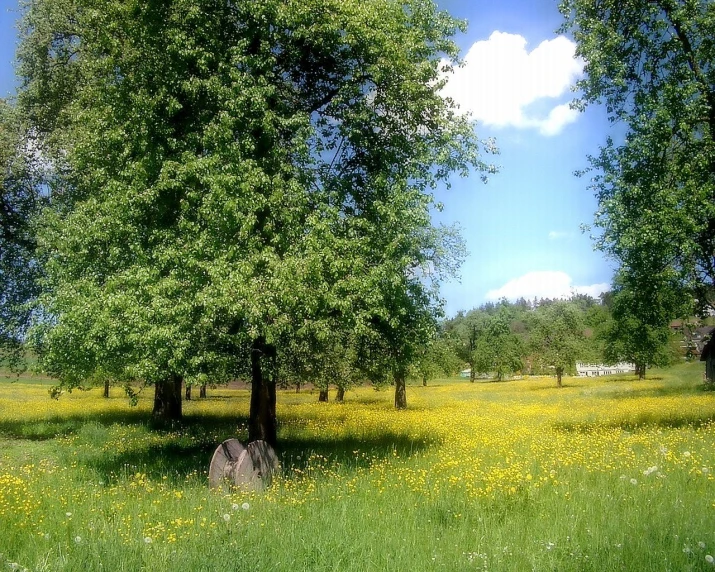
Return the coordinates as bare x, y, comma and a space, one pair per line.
604, 474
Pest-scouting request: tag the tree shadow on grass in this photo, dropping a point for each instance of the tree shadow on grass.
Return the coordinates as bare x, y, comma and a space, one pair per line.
64, 425
182, 451
179, 462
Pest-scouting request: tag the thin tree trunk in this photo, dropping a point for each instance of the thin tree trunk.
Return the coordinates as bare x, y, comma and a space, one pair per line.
400, 390
471, 373
559, 373
640, 370
187, 393
424, 381
202, 391
167, 399
262, 418
340, 395
106, 388
297, 387
323, 395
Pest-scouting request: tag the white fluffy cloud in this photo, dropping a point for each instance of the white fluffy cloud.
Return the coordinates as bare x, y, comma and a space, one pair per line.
500, 79
545, 284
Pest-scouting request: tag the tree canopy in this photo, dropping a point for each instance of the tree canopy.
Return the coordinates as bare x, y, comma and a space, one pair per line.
20, 201
557, 336
651, 62
236, 173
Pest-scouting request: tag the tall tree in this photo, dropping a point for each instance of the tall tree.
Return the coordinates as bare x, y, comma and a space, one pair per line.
233, 171
639, 331
652, 63
465, 330
557, 336
497, 350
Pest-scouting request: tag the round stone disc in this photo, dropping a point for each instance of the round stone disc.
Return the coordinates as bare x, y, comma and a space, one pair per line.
223, 460
265, 461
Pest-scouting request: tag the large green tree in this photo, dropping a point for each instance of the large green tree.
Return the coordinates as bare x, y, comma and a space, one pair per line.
557, 336
498, 350
652, 64
639, 330
233, 171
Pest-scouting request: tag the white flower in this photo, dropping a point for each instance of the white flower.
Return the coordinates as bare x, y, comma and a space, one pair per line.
235, 506
705, 470
227, 517
634, 482
686, 453
650, 470
68, 514
147, 540
78, 539
245, 506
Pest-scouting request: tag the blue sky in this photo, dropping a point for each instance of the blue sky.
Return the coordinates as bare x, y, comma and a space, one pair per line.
522, 228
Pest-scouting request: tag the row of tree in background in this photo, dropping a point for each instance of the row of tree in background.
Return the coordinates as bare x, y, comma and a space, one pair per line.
550, 336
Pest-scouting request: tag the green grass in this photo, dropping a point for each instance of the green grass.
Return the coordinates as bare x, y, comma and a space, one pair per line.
604, 474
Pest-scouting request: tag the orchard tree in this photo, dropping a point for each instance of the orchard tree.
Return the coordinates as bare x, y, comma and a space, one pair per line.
639, 330
436, 358
652, 64
557, 336
466, 330
497, 350
232, 171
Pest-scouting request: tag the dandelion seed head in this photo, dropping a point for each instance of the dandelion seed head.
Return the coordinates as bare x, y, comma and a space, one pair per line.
227, 517
78, 539
245, 506
634, 481
147, 540
709, 559
235, 506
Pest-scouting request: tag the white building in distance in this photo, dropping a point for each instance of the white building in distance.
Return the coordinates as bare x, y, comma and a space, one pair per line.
598, 369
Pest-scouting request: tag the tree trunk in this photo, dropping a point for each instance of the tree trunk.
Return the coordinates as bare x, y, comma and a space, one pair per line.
400, 390
323, 395
559, 373
262, 418
297, 387
202, 391
340, 395
106, 388
167, 399
471, 373
424, 381
640, 370
187, 393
